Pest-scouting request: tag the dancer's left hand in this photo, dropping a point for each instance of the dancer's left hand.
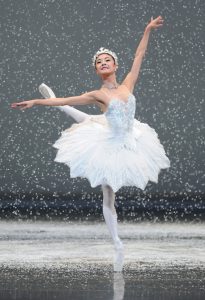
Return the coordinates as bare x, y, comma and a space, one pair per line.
155, 23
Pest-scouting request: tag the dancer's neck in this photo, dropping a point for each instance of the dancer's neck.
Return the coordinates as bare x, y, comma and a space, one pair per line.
110, 85
110, 82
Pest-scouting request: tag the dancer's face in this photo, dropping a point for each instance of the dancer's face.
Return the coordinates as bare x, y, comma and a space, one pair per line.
105, 64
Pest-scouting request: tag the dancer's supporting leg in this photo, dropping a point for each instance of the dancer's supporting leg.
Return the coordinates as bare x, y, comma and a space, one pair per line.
76, 114
110, 216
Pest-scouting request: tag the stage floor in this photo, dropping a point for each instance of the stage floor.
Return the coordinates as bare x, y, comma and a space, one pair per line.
73, 260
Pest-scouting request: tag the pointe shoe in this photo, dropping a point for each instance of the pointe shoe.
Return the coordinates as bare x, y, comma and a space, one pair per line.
45, 91
119, 257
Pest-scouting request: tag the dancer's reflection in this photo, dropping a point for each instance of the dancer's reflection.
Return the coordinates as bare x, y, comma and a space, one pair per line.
118, 286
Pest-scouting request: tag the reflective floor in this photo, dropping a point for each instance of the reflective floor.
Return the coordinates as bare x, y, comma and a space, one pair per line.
59, 260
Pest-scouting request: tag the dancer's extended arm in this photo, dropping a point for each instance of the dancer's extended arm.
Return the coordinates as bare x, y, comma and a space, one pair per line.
86, 98
132, 76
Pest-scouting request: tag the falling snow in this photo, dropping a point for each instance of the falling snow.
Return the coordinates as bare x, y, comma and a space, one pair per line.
54, 42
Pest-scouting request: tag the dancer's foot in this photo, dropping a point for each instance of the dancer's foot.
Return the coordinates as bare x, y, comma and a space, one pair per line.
119, 256
45, 91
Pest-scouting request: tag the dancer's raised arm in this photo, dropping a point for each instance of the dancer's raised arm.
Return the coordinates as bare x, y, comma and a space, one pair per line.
86, 98
132, 76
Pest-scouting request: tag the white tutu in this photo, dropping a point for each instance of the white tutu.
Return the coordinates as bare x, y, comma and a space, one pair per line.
113, 149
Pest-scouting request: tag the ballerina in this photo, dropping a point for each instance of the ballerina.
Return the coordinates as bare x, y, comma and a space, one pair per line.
112, 149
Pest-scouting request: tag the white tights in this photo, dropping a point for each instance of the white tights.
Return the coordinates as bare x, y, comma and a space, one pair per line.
76, 114
109, 211
110, 214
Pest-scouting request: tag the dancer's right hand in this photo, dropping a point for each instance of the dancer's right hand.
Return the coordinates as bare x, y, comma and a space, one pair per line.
23, 105
155, 23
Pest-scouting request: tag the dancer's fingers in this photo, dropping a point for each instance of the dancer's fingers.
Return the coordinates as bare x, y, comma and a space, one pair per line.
22, 105
15, 105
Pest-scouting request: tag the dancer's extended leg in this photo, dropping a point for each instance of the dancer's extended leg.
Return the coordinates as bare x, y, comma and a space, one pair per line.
76, 114
110, 216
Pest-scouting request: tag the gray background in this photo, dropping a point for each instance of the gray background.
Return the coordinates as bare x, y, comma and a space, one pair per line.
54, 42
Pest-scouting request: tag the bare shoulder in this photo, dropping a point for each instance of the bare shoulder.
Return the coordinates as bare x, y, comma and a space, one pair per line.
99, 99
96, 95
93, 95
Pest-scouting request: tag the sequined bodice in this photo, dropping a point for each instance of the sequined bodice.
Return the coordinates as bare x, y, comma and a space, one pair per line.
120, 115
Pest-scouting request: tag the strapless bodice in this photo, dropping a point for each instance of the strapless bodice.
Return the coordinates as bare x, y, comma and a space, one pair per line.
120, 114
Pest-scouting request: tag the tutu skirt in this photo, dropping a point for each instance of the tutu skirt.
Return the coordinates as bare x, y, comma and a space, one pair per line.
92, 151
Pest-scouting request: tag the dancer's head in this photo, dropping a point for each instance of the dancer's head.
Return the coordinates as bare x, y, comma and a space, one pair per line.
105, 61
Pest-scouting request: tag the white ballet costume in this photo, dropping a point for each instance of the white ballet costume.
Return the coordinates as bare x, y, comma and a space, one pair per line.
113, 150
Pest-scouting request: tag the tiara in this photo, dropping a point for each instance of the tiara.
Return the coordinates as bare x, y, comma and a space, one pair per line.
104, 50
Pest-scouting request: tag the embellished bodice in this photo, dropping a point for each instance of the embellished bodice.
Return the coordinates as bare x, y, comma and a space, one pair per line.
120, 115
